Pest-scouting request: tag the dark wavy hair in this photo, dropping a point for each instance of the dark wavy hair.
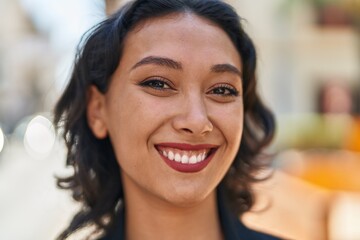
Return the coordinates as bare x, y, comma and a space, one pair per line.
96, 181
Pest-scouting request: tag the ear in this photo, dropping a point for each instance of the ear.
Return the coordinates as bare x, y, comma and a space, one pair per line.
96, 112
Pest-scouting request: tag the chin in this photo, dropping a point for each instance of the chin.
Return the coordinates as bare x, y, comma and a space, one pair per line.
187, 197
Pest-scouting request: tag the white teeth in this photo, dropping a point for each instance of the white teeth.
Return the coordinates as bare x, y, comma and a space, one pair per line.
171, 155
177, 157
184, 159
193, 159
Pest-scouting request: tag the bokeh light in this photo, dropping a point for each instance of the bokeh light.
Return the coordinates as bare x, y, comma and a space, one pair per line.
2, 140
39, 137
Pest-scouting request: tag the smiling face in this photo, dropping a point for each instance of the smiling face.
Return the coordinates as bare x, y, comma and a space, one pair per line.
174, 108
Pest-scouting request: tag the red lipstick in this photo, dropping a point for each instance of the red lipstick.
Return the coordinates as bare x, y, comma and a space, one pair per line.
187, 167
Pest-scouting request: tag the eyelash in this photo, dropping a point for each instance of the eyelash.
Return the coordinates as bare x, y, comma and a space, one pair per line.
227, 90
156, 80
231, 91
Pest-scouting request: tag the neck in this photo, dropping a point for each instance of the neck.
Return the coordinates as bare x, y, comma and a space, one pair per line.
152, 218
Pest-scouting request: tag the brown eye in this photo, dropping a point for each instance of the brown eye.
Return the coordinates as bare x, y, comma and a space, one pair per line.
157, 84
224, 90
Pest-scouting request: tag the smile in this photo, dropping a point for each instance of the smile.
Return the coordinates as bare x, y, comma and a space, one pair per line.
185, 157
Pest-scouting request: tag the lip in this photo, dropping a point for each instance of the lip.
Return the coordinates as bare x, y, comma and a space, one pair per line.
187, 147
183, 167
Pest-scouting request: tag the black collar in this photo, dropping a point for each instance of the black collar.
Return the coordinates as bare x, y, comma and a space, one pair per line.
232, 227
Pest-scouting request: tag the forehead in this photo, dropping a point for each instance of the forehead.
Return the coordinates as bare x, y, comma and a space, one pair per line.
181, 36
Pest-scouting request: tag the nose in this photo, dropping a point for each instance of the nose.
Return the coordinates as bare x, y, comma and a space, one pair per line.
192, 117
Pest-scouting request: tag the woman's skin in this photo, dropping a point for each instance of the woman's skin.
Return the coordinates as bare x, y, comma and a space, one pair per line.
177, 90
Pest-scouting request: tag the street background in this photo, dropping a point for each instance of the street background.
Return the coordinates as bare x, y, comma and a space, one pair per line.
308, 70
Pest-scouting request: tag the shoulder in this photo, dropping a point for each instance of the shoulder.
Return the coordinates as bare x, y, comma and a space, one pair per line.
247, 233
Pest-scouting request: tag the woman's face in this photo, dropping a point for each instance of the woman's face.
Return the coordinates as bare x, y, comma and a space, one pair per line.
174, 108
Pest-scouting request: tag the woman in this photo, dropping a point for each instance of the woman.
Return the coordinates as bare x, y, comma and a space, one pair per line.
163, 124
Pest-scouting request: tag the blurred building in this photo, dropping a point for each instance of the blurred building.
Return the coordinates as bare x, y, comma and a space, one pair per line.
113, 5
26, 67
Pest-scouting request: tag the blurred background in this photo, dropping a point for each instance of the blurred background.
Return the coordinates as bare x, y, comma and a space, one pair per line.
309, 58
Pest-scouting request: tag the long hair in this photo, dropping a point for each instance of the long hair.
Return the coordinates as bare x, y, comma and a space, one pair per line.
96, 181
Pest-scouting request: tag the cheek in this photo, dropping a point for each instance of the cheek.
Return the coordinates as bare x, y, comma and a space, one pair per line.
128, 134
134, 118
127, 124
230, 122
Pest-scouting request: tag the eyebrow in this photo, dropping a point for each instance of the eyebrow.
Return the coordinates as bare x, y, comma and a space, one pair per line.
170, 63
225, 67
161, 61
